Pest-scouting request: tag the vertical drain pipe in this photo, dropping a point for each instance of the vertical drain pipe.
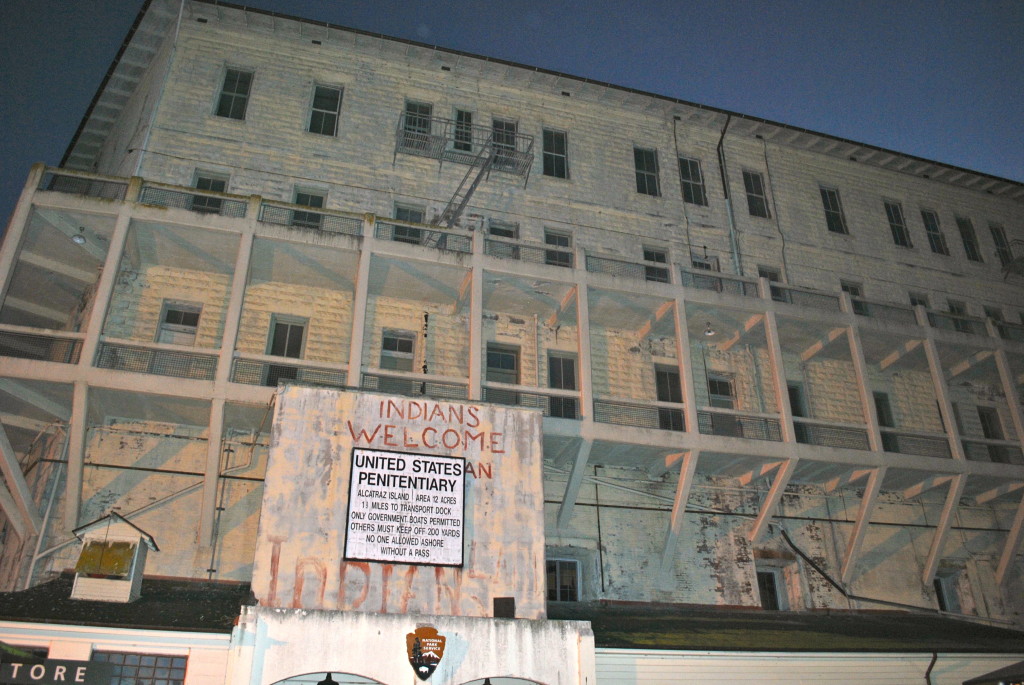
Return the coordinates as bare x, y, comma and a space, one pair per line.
928, 673
723, 170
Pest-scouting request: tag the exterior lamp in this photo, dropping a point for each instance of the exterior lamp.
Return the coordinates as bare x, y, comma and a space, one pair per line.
708, 330
79, 238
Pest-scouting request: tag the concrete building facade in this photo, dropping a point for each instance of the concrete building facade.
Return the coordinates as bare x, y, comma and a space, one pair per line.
768, 369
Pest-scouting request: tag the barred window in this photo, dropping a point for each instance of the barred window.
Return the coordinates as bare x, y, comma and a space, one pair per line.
144, 669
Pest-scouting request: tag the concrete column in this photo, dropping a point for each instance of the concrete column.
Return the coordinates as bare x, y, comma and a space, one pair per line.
771, 330
76, 455
211, 477
685, 361
867, 398
233, 314
16, 226
105, 286
476, 330
586, 374
359, 299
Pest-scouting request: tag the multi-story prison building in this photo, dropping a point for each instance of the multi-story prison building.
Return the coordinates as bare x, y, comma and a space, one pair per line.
774, 372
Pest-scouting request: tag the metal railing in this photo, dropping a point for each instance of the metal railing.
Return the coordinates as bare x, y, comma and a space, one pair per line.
419, 234
663, 416
534, 254
884, 311
452, 141
718, 282
267, 372
643, 271
204, 202
159, 361
997, 451
948, 321
67, 181
738, 425
297, 216
562, 404
40, 345
805, 297
412, 385
823, 434
903, 442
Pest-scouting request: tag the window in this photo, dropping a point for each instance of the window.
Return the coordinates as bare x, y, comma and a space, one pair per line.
992, 429
558, 257
693, 181
969, 238
773, 275
504, 132
646, 162
416, 125
658, 274
834, 219
502, 367
936, 239
856, 292
757, 199
144, 669
234, 94
768, 589
562, 376
323, 118
720, 391
669, 389
898, 226
945, 593
286, 336
408, 234
556, 154
307, 199
703, 261
1002, 246
994, 313
918, 300
213, 183
463, 130
798, 407
397, 350
178, 323
958, 309
503, 229
886, 419
563, 580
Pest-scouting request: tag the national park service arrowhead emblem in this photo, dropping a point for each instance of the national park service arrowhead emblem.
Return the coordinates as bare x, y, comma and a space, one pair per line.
425, 648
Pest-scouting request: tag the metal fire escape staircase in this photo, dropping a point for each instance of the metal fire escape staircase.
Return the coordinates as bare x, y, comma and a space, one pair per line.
477, 170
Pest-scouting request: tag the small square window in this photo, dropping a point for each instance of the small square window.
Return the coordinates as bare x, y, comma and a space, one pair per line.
214, 183
856, 293
408, 234
918, 300
563, 580
659, 257
308, 198
646, 163
556, 154
703, 261
693, 181
397, 349
720, 391
503, 229
757, 199
561, 257
323, 117
234, 94
179, 322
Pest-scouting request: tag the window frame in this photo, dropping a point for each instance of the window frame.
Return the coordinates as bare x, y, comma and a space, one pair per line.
777, 601
504, 135
124, 670
969, 237
308, 197
756, 201
657, 271
694, 189
462, 134
227, 101
563, 258
408, 234
855, 289
505, 230
1003, 252
648, 180
933, 229
291, 321
563, 407
718, 400
175, 328
835, 218
555, 164
325, 115
206, 180
897, 223
555, 565
401, 357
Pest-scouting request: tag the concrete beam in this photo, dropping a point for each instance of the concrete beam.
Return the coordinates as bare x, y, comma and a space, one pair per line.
572, 487
660, 314
847, 479
62, 222
35, 398
968, 363
897, 354
956, 491
748, 326
48, 264
754, 474
926, 485
1004, 489
1012, 546
23, 305
687, 468
860, 528
19, 491
771, 502
823, 343
567, 301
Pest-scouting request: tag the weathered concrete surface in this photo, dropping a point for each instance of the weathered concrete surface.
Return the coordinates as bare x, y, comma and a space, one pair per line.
270, 645
299, 559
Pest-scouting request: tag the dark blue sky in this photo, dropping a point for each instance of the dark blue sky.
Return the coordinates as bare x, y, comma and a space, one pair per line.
940, 79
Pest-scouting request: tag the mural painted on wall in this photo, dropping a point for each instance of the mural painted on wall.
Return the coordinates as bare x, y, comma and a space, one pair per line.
489, 459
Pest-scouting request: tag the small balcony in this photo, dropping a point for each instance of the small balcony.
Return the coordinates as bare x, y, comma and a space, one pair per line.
158, 359
703, 279
656, 415
641, 271
267, 370
301, 217
201, 201
421, 234
526, 252
450, 141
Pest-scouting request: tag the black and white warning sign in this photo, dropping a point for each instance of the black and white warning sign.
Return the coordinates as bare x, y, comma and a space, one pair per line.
405, 508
